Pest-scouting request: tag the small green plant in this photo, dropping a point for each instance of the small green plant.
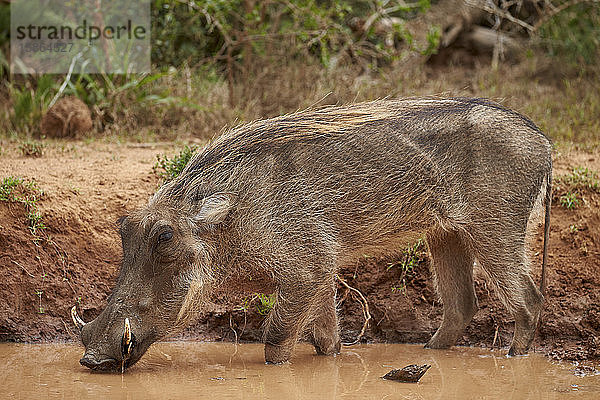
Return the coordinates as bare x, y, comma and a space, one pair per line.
8, 188
32, 148
569, 200
35, 220
263, 303
411, 256
266, 302
169, 168
18, 190
581, 178
573, 229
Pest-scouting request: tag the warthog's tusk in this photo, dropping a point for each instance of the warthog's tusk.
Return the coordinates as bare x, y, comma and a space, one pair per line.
76, 320
127, 340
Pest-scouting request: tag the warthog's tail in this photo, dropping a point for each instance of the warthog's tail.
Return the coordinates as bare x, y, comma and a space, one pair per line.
548, 201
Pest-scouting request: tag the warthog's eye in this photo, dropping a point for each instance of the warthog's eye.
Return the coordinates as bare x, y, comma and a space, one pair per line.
165, 237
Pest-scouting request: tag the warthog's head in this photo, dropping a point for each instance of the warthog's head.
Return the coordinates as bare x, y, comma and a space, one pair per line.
167, 270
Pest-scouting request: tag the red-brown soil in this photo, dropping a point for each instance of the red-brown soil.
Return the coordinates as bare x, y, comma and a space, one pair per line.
88, 186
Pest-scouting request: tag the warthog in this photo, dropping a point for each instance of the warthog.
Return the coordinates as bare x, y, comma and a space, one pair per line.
281, 204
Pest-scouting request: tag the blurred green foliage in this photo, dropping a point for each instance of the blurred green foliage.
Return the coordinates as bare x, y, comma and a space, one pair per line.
574, 33
218, 60
232, 37
30, 99
206, 29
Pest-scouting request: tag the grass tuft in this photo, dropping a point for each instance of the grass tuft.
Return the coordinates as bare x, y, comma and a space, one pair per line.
411, 257
18, 190
569, 200
573, 186
32, 148
581, 178
263, 303
169, 168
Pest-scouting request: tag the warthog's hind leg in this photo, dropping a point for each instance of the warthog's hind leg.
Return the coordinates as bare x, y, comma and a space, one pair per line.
452, 268
508, 267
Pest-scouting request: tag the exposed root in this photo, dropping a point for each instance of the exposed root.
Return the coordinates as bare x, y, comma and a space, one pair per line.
495, 337
366, 312
23, 268
233, 329
73, 336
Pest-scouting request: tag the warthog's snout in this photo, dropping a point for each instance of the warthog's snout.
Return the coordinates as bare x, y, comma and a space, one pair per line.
99, 363
104, 355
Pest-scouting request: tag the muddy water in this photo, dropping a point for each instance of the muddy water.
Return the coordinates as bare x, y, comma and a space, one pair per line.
221, 371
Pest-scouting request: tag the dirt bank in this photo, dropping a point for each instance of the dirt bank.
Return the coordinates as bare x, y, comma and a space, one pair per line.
87, 186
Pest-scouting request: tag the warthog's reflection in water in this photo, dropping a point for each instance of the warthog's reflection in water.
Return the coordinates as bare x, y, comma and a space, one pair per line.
184, 370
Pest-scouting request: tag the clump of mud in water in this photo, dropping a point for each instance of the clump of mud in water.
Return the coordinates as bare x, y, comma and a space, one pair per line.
410, 374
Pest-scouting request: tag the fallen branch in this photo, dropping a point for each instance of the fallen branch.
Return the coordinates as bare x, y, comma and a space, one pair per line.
366, 312
493, 9
557, 9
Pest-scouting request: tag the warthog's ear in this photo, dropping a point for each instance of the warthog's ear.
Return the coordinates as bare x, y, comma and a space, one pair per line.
215, 208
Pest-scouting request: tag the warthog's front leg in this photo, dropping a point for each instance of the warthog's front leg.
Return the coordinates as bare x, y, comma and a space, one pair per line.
324, 330
288, 319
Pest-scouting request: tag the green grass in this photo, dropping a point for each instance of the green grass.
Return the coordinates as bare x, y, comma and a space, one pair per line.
581, 178
263, 303
19, 190
266, 302
574, 185
569, 200
29, 101
32, 148
411, 257
168, 168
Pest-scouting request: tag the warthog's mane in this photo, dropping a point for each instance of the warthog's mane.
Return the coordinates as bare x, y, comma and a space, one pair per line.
313, 125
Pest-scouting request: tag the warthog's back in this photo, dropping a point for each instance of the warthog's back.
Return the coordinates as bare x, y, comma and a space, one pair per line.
360, 176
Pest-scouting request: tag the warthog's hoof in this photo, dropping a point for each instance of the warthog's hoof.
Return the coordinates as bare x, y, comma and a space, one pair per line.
277, 354
328, 349
438, 344
443, 339
516, 351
